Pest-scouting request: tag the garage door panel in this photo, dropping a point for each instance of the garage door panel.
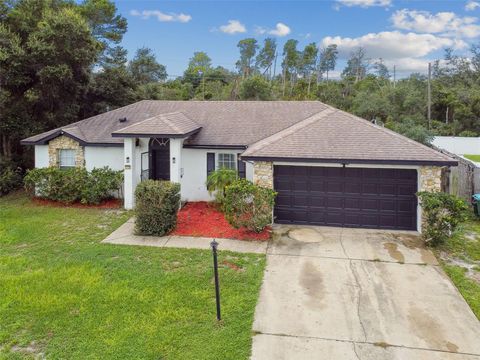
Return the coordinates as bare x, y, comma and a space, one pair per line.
354, 197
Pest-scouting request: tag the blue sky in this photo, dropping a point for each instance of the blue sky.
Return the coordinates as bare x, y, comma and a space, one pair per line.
405, 33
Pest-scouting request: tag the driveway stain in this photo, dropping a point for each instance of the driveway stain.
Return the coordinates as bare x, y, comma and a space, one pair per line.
393, 251
427, 328
452, 347
305, 235
311, 280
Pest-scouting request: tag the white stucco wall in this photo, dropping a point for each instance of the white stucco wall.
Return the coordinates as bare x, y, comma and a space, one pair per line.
98, 157
458, 145
41, 156
194, 164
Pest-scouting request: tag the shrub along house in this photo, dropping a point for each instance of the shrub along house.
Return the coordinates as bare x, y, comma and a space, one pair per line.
328, 167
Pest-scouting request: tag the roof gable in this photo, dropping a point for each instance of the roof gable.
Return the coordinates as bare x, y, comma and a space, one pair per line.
334, 136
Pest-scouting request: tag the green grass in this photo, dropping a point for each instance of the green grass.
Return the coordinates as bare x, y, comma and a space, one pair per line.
464, 245
64, 295
475, 158
469, 289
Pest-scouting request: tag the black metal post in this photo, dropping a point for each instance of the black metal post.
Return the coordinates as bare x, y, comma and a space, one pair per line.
214, 246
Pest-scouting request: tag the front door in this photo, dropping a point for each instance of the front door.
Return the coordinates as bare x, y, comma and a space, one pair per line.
160, 159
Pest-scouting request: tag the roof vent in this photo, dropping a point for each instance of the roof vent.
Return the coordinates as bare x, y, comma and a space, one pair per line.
122, 120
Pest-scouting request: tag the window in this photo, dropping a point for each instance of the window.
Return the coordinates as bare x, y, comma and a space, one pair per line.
66, 158
226, 161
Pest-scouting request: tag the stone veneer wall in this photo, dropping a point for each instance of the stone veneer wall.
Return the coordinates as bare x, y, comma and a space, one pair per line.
64, 142
430, 178
263, 174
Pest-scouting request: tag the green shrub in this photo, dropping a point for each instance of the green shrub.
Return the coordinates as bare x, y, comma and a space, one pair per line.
248, 205
218, 180
442, 213
156, 207
9, 180
74, 184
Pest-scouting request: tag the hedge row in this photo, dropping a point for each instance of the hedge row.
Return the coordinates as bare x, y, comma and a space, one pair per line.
75, 184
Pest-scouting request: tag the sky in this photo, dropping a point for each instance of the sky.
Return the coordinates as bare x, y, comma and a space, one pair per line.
407, 34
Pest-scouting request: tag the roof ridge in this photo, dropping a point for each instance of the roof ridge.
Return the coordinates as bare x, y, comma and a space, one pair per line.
170, 122
393, 133
291, 129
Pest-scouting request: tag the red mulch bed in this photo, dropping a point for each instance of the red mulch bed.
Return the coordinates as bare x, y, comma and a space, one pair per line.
204, 219
106, 204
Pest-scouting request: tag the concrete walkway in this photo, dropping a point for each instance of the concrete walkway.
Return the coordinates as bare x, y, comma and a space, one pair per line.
332, 293
124, 236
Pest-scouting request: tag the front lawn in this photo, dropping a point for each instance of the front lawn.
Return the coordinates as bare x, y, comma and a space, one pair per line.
64, 295
460, 258
475, 158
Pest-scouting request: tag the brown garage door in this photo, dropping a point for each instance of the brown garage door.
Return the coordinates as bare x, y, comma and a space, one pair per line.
350, 197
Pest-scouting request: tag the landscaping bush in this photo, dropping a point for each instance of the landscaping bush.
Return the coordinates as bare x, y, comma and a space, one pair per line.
442, 213
248, 205
157, 204
74, 184
218, 180
9, 180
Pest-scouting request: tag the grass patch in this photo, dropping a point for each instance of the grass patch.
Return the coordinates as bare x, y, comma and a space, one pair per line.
475, 158
65, 295
464, 245
469, 289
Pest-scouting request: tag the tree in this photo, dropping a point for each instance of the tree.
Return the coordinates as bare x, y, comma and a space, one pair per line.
328, 60
248, 48
47, 52
290, 62
380, 69
44, 69
356, 65
266, 56
199, 64
145, 68
308, 61
255, 88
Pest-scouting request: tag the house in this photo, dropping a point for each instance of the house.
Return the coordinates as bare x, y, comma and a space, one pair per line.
328, 166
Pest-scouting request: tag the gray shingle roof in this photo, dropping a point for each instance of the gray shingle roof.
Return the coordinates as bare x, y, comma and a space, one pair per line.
301, 130
233, 123
172, 124
333, 134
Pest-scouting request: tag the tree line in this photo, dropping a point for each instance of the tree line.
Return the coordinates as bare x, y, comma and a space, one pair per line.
60, 61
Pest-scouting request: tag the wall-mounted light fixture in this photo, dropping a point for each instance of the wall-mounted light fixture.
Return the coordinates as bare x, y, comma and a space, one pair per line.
127, 160
173, 160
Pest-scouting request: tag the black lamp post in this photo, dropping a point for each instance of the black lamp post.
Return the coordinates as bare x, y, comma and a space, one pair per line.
214, 246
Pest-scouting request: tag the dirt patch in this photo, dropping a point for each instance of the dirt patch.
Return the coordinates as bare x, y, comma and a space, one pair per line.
393, 251
232, 265
31, 349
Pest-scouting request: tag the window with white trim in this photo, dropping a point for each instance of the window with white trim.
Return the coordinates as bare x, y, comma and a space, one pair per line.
226, 161
66, 158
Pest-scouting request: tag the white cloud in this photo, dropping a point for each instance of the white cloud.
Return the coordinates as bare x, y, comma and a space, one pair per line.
393, 44
280, 30
161, 16
260, 30
446, 23
364, 3
233, 27
471, 5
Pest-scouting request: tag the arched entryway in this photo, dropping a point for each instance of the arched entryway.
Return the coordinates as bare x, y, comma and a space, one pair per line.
159, 149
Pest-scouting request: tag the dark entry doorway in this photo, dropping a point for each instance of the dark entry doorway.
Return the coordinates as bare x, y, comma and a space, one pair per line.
159, 149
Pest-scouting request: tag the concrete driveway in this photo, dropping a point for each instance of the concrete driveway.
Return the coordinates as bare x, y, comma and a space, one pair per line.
332, 293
